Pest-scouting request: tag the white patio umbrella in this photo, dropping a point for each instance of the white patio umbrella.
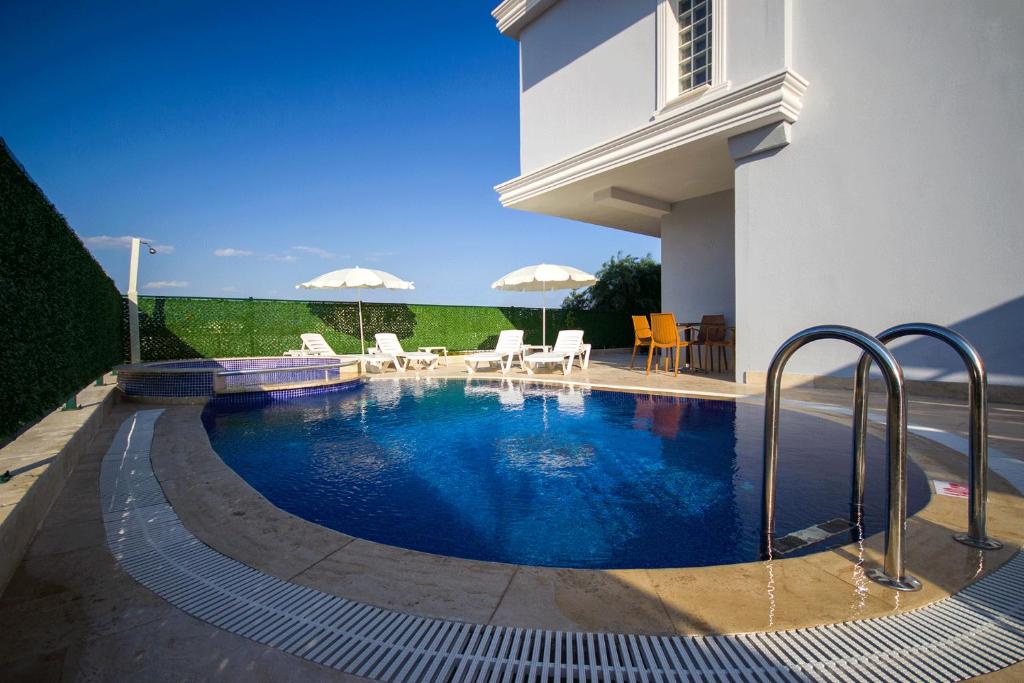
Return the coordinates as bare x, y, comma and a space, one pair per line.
357, 278
544, 278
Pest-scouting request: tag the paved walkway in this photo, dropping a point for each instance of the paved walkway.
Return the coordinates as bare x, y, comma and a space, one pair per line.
72, 613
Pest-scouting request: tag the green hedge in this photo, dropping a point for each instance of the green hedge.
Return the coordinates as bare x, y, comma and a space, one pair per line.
193, 327
60, 314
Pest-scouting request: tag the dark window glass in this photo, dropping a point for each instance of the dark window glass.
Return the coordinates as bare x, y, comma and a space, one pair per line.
694, 43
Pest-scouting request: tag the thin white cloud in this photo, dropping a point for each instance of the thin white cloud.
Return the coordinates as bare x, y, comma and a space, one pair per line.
122, 242
229, 288
378, 256
314, 251
231, 252
165, 284
108, 242
287, 258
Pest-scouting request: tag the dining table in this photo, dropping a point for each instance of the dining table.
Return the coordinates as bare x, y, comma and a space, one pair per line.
689, 330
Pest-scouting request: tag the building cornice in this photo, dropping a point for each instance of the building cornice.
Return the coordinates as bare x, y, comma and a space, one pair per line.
513, 15
775, 98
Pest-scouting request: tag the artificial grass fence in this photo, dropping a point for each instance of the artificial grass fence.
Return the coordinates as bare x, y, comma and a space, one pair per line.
197, 327
60, 314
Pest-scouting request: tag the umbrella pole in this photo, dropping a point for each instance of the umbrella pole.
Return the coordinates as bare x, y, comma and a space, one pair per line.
362, 344
544, 316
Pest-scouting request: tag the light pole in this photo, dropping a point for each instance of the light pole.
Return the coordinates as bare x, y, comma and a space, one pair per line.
133, 299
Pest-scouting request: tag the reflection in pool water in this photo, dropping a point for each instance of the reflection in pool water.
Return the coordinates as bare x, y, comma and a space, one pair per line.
542, 474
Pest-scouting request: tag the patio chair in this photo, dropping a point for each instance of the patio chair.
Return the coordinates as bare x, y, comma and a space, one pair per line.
388, 344
641, 335
665, 335
510, 344
568, 346
712, 339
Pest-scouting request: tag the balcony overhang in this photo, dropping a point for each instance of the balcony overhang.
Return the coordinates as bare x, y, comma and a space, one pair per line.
513, 15
626, 182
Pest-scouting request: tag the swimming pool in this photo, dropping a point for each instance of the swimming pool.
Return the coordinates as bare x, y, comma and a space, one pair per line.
544, 475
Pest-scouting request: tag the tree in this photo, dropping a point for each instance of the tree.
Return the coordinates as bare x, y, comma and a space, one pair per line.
624, 283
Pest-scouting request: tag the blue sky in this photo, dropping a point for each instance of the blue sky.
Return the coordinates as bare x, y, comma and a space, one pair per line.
302, 137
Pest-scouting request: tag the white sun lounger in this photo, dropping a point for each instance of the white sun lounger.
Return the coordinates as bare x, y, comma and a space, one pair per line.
389, 345
314, 344
564, 352
510, 344
584, 355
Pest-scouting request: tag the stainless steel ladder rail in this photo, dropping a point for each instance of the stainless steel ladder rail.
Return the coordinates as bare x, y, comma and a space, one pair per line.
892, 573
977, 398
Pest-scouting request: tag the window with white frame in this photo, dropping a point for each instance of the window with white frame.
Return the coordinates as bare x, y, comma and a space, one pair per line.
695, 43
691, 58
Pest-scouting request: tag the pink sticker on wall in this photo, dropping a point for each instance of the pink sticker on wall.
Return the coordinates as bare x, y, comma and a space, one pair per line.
950, 488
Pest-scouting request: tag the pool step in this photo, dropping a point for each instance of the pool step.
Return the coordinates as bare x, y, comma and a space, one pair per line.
811, 535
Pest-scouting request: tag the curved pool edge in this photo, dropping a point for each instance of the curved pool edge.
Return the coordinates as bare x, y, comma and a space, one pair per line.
979, 630
819, 588
562, 381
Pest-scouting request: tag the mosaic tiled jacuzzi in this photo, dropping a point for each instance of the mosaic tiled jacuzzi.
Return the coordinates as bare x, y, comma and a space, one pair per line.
204, 378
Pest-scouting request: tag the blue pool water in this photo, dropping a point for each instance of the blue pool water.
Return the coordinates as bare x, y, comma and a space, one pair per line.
543, 475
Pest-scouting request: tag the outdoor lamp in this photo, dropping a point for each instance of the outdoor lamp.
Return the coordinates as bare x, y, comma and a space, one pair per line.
133, 298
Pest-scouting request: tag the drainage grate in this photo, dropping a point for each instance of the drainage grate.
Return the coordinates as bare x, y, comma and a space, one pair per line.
976, 631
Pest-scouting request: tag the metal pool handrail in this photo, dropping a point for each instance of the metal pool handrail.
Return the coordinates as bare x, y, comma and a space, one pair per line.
977, 398
891, 574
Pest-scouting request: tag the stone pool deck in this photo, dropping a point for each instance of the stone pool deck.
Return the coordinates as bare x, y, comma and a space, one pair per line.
78, 615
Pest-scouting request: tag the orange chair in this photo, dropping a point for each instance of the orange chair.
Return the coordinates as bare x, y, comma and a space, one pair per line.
712, 339
665, 335
642, 334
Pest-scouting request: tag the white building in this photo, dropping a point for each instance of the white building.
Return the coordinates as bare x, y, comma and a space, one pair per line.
803, 162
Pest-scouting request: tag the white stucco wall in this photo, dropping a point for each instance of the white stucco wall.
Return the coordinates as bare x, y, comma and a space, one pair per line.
587, 73
588, 69
698, 251
755, 42
901, 197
